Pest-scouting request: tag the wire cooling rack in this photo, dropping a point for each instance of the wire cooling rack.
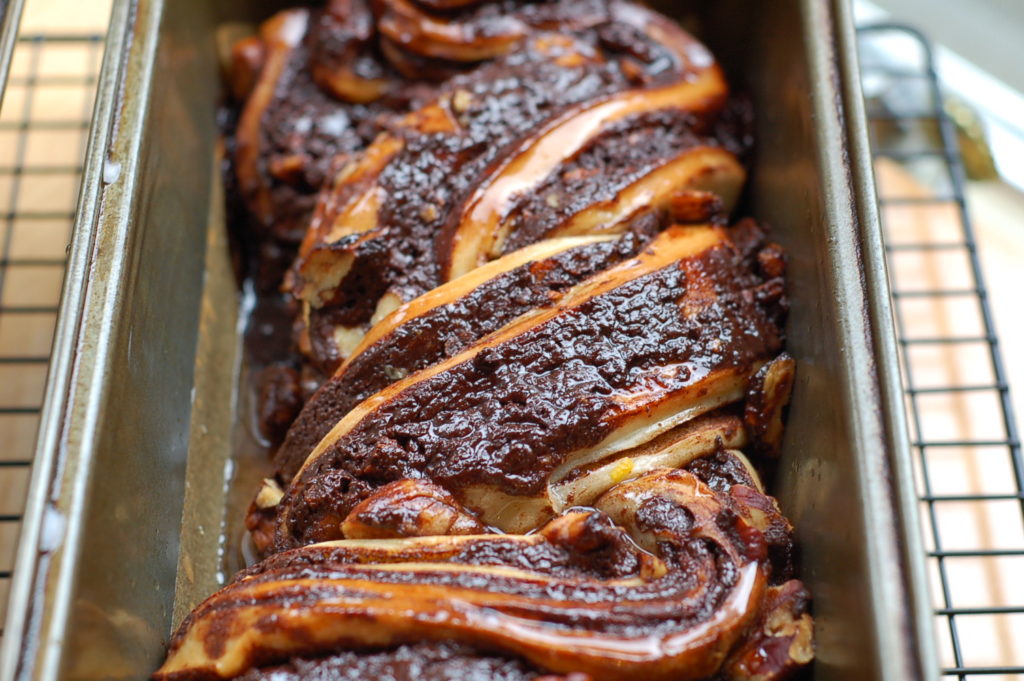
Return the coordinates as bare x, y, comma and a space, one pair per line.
44, 124
969, 470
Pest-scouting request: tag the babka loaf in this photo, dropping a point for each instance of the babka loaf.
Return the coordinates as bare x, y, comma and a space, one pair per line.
543, 347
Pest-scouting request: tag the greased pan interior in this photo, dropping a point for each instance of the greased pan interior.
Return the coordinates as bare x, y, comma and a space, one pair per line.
130, 490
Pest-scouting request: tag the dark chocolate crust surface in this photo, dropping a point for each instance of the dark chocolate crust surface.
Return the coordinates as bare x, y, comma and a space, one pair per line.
496, 106
421, 662
444, 332
508, 416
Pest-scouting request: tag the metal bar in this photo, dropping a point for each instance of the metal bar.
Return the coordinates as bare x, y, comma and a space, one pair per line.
966, 443
948, 340
996, 610
973, 671
957, 389
977, 553
938, 293
60, 38
973, 497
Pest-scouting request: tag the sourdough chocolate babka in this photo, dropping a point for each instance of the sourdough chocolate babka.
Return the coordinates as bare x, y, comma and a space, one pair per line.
529, 350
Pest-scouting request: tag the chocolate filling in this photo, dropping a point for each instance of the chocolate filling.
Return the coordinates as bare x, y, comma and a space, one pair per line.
444, 332
510, 414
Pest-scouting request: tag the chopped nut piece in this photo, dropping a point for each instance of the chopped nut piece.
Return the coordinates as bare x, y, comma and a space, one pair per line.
461, 101
578, 174
429, 212
270, 494
288, 168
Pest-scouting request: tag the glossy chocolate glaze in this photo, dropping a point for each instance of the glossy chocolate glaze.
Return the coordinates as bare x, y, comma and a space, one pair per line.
720, 471
498, 106
409, 508
278, 400
723, 472
509, 415
493, 18
420, 662
447, 330
619, 156
781, 643
682, 598
424, 182
303, 128
710, 577
307, 125
484, 30
343, 37
598, 550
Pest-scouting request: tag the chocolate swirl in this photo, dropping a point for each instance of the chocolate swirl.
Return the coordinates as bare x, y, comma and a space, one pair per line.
647, 345
674, 606
611, 116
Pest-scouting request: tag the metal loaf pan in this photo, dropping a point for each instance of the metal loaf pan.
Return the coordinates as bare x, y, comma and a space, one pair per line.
10, 22
133, 478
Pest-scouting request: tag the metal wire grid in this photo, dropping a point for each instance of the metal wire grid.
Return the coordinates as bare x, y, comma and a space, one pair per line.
969, 469
44, 125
